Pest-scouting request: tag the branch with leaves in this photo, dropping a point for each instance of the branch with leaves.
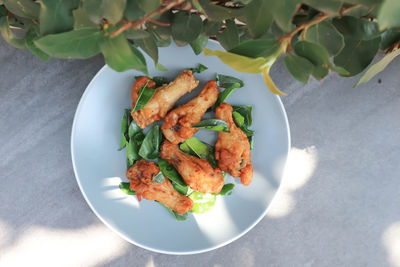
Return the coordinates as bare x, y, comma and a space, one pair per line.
313, 37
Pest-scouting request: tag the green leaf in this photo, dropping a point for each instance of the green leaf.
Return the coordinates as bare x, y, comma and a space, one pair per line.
195, 147
160, 67
213, 125
242, 118
132, 151
238, 118
251, 141
378, 67
159, 80
229, 38
283, 12
326, 6
186, 26
170, 172
133, 10
325, 34
3, 10
225, 80
227, 190
149, 46
316, 54
389, 37
56, 15
218, 13
202, 202
23, 8
148, 6
144, 97
125, 187
246, 112
199, 43
200, 68
389, 14
357, 55
30, 36
150, 147
9, 36
360, 29
82, 43
178, 216
258, 17
227, 92
159, 178
258, 48
81, 19
211, 28
299, 67
121, 56
133, 128
111, 10
124, 130
137, 34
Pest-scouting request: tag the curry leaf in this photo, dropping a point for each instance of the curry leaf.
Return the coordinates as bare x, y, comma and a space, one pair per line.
159, 178
199, 68
145, 94
227, 92
227, 190
150, 147
195, 147
213, 125
125, 187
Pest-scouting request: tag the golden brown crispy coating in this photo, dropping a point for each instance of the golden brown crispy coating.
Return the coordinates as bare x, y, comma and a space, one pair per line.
164, 98
232, 150
177, 124
197, 173
141, 176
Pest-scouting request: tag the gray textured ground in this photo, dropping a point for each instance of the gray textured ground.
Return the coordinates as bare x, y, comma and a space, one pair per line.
339, 204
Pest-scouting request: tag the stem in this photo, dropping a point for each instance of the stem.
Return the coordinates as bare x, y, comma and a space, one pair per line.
136, 24
288, 37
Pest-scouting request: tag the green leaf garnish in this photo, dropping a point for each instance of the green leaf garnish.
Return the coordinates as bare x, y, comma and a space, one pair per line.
213, 125
150, 147
125, 187
159, 178
144, 97
200, 68
226, 190
195, 147
171, 173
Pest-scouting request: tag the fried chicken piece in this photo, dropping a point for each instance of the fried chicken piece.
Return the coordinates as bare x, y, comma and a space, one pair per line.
177, 124
197, 173
141, 176
164, 98
232, 150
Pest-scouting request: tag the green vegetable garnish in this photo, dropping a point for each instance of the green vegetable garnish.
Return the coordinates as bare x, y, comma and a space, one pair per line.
144, 97
230, 84
195, 147
213, 125
150, 147
200, 68
132, 152
227, 190
171, 173
159, 80
243, 119
245, 111
124, 129
124, 186
202, 202
159, 178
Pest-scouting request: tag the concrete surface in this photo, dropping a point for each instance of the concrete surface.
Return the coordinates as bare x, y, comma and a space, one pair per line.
339, 204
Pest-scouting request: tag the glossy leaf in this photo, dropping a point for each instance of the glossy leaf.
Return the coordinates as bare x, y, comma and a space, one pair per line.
229, 38
124, 130
159, 178
360, 29
378, 67
390, 37
82, 43
170, 172
299, 67
258, 48
9, 36
144, 96
149, 46
125, 187
211, 28
213, 125
217, 13
186, 27
283, 11
150, 147
227, 190
121, 56
325, 34
357, 55
133, 10
132, 151
137, 34
81, 19
199, 43
389, 14
195, 147
200, 68
133, 128
238, 118
225, 80
202, 202
111, 10
30, 36
326, 6
227, 92
246, 112
56, 15
258, 17
23, 8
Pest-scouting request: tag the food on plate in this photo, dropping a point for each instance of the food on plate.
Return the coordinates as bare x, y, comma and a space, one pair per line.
141, 176
177, 126
196, 172
163, 99
232, 150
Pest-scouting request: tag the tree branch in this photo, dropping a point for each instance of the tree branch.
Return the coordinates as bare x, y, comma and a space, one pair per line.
136, 24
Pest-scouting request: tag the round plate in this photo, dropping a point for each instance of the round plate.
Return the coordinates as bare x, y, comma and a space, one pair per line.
99, 167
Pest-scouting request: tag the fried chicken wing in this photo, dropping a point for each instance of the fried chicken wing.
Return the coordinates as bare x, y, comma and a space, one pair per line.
197, 173
178, 122
141, 180
164, 98
232, 150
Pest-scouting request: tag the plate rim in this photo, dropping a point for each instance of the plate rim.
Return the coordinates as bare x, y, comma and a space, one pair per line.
251, 226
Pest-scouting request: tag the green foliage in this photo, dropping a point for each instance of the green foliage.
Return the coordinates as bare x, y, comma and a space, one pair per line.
314, 37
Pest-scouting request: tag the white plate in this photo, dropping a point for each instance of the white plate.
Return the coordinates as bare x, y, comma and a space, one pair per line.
99, 167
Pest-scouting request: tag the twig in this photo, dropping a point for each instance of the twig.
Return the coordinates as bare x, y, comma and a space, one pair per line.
136, 24
286, 39
164, 24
